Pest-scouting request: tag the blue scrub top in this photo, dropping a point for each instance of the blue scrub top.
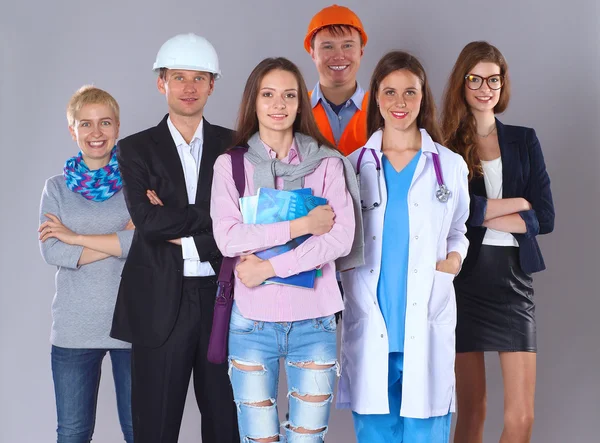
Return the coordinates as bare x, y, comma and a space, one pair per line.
391, 289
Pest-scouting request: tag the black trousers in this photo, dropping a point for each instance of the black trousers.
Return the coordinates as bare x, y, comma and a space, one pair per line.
161, 376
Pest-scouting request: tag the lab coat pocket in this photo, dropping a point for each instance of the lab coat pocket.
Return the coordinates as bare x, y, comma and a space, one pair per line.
442, 305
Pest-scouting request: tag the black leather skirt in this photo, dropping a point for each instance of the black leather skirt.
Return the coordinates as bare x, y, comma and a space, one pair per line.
495, 308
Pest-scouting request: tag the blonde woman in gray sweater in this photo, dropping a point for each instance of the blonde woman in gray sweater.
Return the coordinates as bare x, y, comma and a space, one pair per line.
85, 231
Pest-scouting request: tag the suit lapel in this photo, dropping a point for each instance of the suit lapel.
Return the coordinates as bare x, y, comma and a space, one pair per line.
211, 149
167, 153
509, 160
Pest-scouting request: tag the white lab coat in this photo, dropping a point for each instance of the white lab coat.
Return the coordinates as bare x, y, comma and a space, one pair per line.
436, 228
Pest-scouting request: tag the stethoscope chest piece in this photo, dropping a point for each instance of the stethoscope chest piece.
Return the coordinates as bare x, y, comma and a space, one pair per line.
443, 193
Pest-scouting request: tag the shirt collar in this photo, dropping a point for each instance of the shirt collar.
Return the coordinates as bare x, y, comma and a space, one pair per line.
357, 97
427, 143
178, 138
292, 154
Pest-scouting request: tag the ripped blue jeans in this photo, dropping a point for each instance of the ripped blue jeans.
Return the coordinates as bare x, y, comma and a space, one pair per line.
308, 348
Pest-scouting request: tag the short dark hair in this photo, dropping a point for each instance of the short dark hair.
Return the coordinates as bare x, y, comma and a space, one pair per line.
336, 31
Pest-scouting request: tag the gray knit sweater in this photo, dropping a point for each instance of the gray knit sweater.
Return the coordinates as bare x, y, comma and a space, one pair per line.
84, 301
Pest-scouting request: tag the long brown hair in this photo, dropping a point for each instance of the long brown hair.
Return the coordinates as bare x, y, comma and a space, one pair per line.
395, 61
247, 124
458, 122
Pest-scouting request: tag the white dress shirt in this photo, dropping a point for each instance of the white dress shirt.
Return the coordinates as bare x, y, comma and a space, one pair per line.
190, 156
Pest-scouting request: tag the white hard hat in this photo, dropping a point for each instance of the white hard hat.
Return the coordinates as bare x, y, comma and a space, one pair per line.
190, 52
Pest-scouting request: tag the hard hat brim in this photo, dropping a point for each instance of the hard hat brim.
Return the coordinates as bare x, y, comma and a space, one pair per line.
313, 32
216, 74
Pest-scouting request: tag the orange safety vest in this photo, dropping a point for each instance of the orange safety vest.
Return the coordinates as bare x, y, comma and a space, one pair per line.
355, 133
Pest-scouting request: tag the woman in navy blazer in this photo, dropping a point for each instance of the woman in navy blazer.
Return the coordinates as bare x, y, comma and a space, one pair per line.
511, 203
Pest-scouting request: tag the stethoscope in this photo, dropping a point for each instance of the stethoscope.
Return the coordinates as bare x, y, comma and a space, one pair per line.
442, 193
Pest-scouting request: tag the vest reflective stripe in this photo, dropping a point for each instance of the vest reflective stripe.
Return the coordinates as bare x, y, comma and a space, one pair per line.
355, 133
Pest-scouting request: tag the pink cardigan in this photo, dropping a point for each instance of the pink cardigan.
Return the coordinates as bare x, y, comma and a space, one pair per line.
277, 303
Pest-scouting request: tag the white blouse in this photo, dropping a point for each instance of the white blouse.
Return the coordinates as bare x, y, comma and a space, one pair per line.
492, 176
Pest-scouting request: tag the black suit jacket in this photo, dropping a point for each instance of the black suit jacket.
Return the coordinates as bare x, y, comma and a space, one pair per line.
150, 291
523, 175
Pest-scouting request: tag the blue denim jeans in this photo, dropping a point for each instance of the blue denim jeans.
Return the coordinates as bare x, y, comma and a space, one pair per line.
258, 346
384, 428
76, 374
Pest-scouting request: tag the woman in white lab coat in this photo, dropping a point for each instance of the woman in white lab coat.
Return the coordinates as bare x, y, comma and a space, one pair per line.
400, 311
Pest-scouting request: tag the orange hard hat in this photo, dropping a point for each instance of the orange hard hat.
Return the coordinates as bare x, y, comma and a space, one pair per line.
333, 15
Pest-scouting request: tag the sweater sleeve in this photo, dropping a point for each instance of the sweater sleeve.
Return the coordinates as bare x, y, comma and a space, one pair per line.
54, 252
125, 239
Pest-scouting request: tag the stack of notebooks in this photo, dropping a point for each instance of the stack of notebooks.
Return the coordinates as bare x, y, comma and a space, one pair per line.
273, 206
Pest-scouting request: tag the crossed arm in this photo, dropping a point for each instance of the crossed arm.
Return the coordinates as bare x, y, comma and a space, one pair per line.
60, 246
529, 215
95, 247
503, 214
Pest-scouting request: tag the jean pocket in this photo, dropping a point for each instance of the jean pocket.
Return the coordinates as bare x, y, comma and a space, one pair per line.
240, 324
328, 323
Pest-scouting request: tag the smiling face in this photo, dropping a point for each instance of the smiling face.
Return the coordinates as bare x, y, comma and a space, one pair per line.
95, 130
337, 57
277, 102
186, 91
483, 99
399, 99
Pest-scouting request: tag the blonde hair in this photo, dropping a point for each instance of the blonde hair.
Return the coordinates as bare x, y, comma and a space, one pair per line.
90, 95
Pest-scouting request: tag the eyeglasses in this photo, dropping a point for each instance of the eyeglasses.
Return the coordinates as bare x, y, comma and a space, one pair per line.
474, 82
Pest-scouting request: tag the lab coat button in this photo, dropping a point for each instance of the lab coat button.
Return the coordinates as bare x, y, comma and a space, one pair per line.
373, 237
371, 271
415, 271
412, 337
381, 335
416, 204
415, 304
416, 237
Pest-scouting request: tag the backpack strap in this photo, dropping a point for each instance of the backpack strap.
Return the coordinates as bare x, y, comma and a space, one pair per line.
239, 177
237, 167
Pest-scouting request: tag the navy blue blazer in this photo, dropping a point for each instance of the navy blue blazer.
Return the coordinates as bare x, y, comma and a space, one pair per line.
523, 175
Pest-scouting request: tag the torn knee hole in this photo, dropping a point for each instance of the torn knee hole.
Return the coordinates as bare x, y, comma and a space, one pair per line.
301, 430
313, 365
246, 366
273, 439
260, 404
311, 398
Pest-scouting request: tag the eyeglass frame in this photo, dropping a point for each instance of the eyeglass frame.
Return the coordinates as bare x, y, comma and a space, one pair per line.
486, 80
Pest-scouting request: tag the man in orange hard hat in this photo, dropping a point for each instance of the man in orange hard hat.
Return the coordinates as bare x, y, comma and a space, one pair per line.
335, 40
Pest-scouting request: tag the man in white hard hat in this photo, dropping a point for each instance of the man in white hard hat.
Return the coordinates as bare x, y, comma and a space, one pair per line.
168, 285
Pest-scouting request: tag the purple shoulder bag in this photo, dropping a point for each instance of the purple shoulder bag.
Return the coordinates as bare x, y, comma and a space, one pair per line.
217, 346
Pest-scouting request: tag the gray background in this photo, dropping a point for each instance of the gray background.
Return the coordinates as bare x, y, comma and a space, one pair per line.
51, 48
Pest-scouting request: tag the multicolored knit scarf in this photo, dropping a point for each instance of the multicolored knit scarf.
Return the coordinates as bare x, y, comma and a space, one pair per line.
98, 185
